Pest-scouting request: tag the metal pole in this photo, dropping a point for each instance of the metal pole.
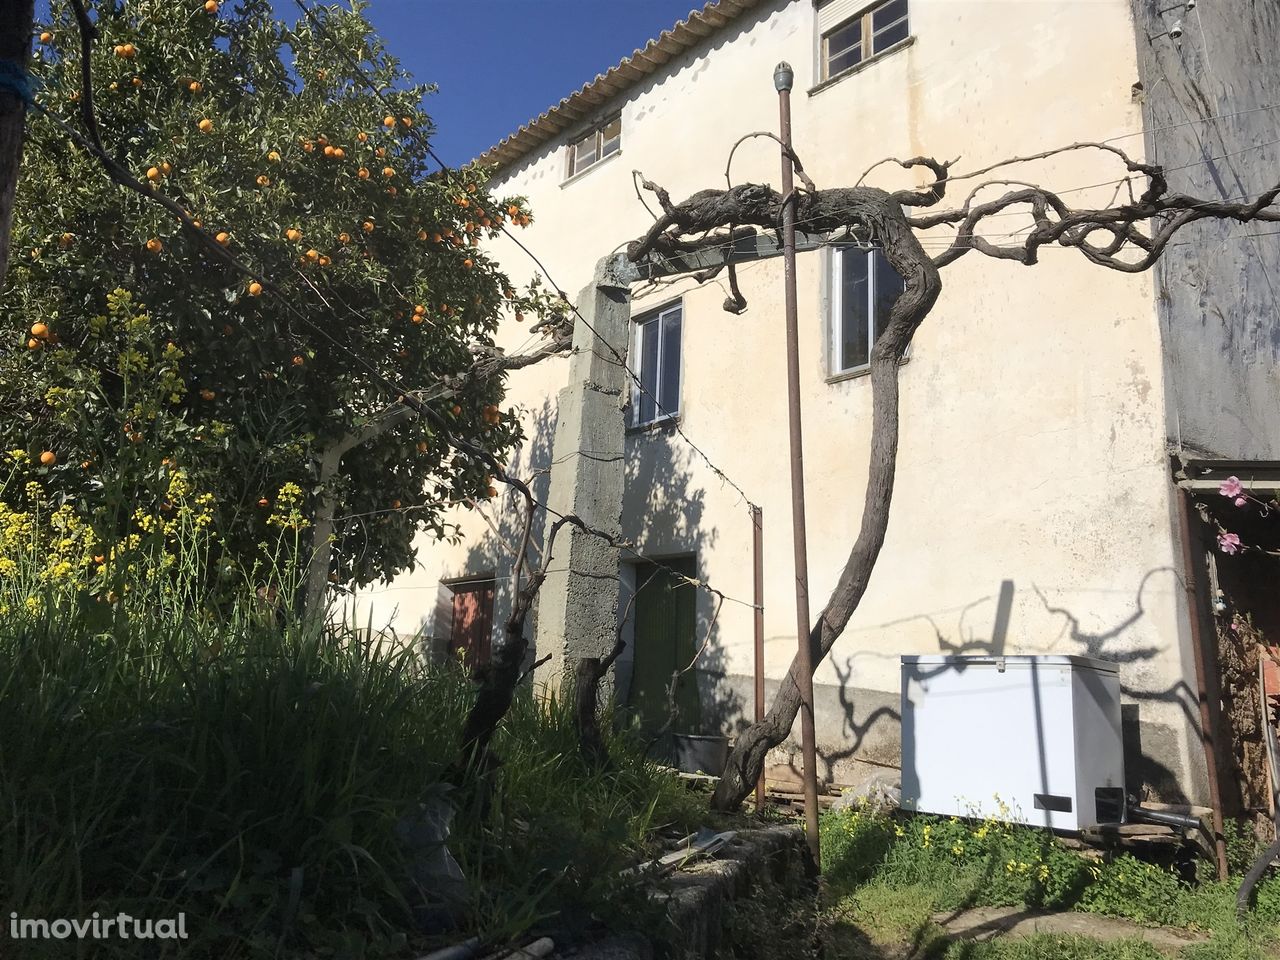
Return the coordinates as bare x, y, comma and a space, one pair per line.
757, 558
1209, 709
783, 76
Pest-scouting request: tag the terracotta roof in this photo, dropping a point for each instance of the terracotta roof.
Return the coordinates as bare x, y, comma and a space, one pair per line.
687, 33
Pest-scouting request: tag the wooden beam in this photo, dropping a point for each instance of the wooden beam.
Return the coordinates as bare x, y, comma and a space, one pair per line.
759, 246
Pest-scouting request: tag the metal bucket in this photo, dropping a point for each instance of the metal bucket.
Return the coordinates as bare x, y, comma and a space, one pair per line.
695, 753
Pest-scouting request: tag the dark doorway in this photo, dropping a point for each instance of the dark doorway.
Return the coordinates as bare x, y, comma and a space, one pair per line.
665, 615
472, 621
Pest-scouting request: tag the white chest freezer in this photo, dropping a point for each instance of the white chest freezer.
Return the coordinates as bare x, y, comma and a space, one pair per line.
1033, 739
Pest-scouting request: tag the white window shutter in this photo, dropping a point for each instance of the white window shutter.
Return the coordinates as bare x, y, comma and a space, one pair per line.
835, 12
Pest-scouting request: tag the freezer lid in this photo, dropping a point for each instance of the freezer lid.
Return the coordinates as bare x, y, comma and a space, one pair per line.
1012, 660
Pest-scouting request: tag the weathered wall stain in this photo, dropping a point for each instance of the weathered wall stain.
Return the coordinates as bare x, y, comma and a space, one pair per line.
1218, 286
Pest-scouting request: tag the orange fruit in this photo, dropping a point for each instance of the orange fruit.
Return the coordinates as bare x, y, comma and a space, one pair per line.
395, 504
363, 173
308, 146
325, 261
226, 329
418, 318
422, 234
195, 86
467, 263
167, 167
322, 140
362, 137
388, 122
338, 153
344, 238
264, 502
48, 458
406, 121
380, 152
313, 255
367, 226
471, 188
205, 125
294, 234
419, 308
39, 330
297, 360
273, 157
456, 410
154, 245
436, 238
388, 172
392, 191
513, 209
33, 344
46, 37
223, 238
264, 180
422, 446
153, 173
328, 151
211, 6
136, 81
207, 394
491, 492
66, 240
519, 317
255, 289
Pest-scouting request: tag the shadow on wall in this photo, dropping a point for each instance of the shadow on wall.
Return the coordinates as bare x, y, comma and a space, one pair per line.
869, 721
674, 623
672, 627
489, 560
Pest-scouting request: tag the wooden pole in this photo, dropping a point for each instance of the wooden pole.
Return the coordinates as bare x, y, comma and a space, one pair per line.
782, 80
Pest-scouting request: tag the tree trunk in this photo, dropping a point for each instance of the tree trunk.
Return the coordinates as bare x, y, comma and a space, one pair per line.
746, 762
586, 712
16, 20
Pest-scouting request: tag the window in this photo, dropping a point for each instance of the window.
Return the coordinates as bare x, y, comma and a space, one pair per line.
472, 623
656, 360
864, 286
860, 37
601, 142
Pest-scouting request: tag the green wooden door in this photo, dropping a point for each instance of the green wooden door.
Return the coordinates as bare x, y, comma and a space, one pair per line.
665, 615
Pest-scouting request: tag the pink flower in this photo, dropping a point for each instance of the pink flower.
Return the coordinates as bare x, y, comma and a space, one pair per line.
1231, 487
1228, 543
1241, 501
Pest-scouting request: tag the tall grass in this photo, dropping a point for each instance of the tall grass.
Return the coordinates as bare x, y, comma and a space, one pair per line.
262, 776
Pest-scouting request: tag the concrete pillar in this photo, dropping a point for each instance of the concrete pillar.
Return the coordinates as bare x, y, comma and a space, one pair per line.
578, 607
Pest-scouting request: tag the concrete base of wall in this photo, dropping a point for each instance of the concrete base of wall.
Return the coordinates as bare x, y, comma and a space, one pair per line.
757, 865
859, 731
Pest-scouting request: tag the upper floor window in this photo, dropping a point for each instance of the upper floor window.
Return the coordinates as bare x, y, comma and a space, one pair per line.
656, 360
601, 142
848, 41
863, 289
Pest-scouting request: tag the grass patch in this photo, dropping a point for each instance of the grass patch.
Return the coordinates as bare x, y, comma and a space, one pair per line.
274, 783
887, 876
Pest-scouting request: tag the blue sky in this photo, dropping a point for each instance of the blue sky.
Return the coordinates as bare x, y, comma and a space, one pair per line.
525, 55
500, 63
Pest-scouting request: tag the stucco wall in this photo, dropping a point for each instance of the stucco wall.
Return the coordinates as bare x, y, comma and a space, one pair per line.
1032, 463
1219, 288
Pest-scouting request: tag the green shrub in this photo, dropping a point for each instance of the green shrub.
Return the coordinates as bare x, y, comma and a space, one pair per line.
257, 777
854, 843
1132, 888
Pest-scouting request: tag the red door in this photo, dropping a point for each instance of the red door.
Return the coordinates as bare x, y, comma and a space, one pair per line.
472, 622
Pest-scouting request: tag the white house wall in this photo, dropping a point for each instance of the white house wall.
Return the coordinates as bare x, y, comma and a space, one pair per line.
1032, 460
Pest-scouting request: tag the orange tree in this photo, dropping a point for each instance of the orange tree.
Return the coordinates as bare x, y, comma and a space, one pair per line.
132, 351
